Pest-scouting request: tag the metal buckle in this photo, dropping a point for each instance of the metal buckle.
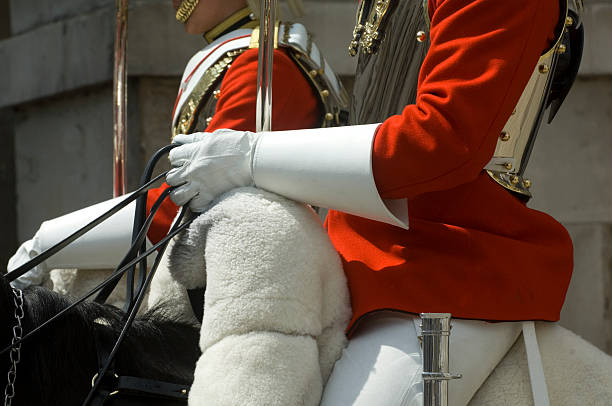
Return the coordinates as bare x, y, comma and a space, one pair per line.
93, 382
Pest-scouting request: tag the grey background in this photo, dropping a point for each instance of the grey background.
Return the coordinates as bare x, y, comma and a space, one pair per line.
56, 124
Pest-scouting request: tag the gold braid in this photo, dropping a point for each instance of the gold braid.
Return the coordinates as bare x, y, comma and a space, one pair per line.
185, 9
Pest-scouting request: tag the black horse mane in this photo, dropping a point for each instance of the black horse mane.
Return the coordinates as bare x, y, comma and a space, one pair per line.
57, 365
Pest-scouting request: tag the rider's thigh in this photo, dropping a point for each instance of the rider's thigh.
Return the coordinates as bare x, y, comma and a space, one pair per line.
382, 363
380, 366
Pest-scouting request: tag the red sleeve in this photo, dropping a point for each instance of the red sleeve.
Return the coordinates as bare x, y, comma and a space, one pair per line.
294, 105
481, 56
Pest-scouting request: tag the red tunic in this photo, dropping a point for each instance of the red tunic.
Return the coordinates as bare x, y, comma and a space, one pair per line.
473, 249
295, 106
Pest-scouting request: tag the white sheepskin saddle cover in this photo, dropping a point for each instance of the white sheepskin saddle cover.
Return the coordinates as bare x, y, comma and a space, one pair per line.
276, 302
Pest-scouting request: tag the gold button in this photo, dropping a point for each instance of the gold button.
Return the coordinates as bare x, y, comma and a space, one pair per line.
562, 49
217, 94
544, 68
325, 93
313, 73
505, 136
421, 36
569, 21
329, 116
514, 180
527, 183
508, 165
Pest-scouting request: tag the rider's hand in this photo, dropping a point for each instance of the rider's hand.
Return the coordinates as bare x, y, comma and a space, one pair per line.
35, 276
209, 164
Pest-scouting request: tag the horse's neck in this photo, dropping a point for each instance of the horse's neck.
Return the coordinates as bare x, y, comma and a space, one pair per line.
161, 349
61, 360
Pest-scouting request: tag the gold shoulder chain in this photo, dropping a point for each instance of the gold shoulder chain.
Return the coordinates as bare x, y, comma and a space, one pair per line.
192, 105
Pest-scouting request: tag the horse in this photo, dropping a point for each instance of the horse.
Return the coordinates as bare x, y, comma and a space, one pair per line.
58, 364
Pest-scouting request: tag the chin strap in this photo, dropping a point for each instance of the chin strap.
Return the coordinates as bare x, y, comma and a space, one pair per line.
536, 369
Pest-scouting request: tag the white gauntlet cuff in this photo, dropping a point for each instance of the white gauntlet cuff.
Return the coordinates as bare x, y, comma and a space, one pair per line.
330, 167
100, 248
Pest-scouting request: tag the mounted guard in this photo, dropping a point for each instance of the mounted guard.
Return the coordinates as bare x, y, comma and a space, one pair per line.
456, 127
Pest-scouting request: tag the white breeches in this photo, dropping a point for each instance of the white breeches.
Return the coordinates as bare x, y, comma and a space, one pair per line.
382, 363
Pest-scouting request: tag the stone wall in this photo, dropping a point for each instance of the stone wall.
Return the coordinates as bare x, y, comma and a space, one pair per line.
572, 173
8, 206
5, 20
8, 237
30, 14
64, 155
55, 107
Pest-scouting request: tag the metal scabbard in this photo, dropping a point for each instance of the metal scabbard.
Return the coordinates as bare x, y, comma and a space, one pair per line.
435, 330
120, 99
265, 65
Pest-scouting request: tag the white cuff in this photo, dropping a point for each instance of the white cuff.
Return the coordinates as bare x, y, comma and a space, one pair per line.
101, 248
326, 167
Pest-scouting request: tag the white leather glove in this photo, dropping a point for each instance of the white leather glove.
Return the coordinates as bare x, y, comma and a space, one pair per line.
27, 251
209, 164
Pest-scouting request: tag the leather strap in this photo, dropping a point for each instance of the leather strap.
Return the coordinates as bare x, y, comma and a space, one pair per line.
146, 387
103, 345
100, 397
139, 387
536, 370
